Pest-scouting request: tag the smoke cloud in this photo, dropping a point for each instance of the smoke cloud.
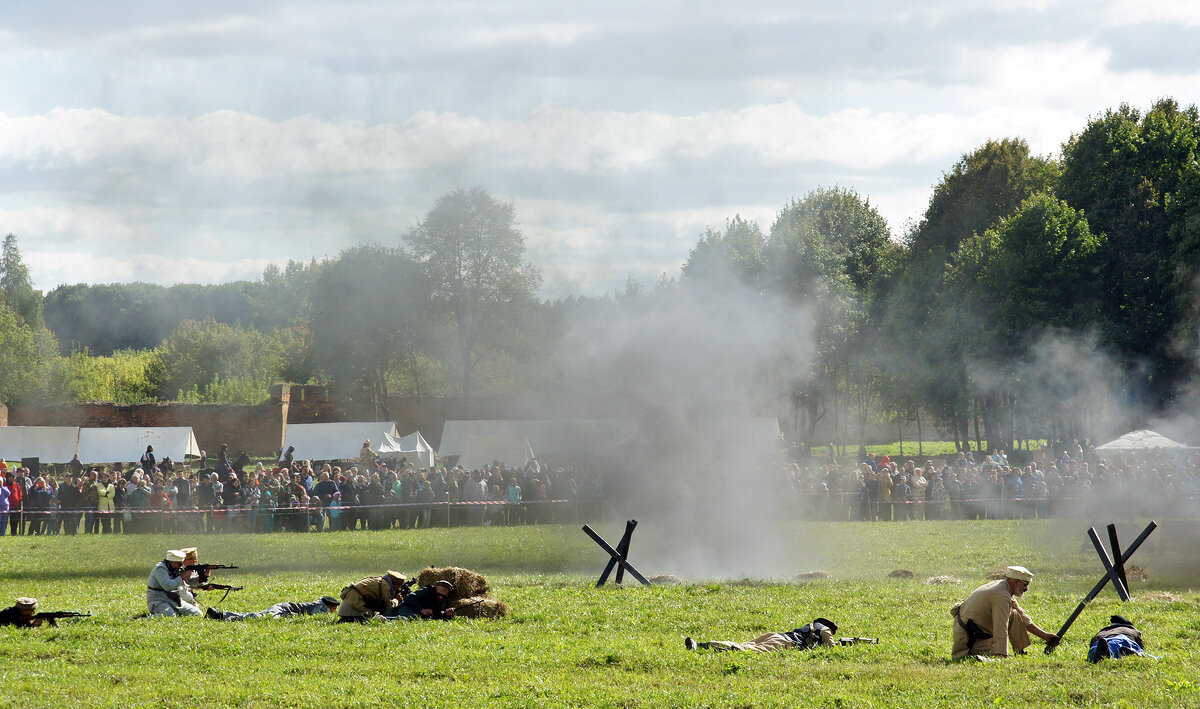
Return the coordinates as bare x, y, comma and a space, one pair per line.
701, 370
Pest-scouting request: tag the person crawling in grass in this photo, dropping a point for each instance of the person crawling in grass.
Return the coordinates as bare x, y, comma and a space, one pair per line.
22, 614
286, 609
426, 603
818, 632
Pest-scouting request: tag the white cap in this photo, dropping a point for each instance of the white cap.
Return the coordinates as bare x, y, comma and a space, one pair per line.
1020, 573
176, 555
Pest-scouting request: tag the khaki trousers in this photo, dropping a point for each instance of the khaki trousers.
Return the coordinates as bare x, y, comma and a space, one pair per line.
763, 643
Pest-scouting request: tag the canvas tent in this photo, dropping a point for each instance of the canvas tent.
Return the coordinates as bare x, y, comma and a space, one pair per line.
736, 440
112, 445
52, 444
1142, 440
414, 447
482, 450
546, 437
335, 441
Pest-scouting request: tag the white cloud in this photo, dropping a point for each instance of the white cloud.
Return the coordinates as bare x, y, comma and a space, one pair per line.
1133, 12
86, 267
620, 131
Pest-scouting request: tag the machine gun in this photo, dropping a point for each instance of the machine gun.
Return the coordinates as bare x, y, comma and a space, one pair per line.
52, 617
222, 587
855, 641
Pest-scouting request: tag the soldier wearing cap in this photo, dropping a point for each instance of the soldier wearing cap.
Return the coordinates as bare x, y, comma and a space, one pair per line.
324, 604
374, 595
990, 619
167, 592
21, 614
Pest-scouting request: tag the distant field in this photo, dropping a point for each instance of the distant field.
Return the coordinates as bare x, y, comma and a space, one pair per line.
567, 643
908, 449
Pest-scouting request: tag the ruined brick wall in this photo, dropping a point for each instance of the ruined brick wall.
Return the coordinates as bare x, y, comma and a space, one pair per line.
257, 429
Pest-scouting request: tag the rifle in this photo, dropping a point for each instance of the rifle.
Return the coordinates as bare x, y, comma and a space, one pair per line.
472, 604
52, 617
222, 587
854, 641
203, 570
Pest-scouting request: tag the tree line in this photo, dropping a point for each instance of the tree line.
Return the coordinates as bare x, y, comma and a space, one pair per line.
991, 318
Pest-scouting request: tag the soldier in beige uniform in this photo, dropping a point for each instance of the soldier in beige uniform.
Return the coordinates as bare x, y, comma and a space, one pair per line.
990, 619
374, 595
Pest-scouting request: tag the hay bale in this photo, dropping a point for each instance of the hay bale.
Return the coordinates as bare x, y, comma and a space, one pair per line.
901, 574
942, 580
812, 576
467, 583
1160, 596
1133, 572
480, 607
664, 580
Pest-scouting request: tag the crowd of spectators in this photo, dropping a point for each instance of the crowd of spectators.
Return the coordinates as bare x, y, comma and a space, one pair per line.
1078, 480
290, 495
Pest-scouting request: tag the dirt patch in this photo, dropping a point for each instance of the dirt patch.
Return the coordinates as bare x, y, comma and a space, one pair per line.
901, 574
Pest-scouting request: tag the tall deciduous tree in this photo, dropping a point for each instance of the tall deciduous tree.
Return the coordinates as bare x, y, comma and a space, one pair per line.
16, 289
370, 318
828, 251
737, 253
1037, 270
473, 254
211, 362
1125, 170
26, 354
928, 349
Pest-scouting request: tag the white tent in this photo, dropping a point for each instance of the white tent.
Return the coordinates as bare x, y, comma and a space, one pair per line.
482, 450
1142, 440
335, 441
544, 436
112, 445
52, 444
413, 446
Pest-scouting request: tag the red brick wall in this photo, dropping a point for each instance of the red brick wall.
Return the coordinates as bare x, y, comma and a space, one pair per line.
257, 430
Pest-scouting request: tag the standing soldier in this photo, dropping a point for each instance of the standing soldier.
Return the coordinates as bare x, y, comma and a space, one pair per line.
990, 619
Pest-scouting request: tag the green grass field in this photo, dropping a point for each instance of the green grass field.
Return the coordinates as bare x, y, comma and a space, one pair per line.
567, 643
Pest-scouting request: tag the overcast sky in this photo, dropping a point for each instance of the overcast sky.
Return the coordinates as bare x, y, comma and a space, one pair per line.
172, 141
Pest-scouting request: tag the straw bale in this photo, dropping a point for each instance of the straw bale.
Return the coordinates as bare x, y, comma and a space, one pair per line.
486, 608
664, 580
1160, 596
467, 583
1133, 572
942, 580
813, 575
